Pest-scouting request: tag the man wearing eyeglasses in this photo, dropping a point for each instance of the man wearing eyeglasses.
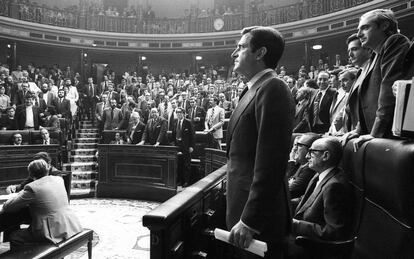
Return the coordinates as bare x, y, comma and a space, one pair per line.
302, 174
325, 211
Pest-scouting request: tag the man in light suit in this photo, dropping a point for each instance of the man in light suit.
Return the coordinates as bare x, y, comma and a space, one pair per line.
112, 116
258, 143
155, 132
214, 121
378, 30
325, 211
46, 197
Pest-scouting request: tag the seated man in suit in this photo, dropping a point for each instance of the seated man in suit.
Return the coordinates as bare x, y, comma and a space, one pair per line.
302, 174
17, 139
325, 211
183, 137
118, 139
46, 197
46, 140
11, 221
155, 132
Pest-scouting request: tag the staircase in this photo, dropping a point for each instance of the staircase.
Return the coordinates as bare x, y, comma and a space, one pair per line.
83, 161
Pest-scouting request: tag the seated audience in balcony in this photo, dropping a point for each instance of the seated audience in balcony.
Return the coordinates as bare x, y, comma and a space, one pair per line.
155, 132
378, 31
214, 121
46, 197
112, 116
28, 115
8, 121
325, 210
299, 174
301, 123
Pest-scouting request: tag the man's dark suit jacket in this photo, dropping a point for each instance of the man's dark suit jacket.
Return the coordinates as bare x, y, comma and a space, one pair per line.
9, 124
62, 107
326, 211
300, 180
376, 109
156, 131
187, 135
258, 144
138, 132
19, 97
21, 116
199, 112
324, 109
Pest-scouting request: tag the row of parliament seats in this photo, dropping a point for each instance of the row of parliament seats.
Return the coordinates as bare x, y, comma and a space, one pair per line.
29, 136
381, 173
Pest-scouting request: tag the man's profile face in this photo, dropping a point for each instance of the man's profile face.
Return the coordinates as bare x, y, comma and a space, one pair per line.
346, 81
357, 54
370, 34
243, 55
323, 81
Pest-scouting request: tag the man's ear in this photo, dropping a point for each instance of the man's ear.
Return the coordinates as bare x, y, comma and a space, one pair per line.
326, 156
384, 25
260, 53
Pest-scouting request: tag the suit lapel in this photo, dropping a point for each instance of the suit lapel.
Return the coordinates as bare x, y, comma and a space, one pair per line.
316, 192
244, 102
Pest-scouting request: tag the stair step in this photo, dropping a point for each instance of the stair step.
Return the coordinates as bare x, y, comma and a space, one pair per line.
86, 126
85, 145
82, 193
80, 166
87, 135
83, 158
92, 130
87, 140
84, 175
83, 152
83, 183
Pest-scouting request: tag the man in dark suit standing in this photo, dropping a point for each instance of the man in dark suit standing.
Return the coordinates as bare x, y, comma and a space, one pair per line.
325, 211
196, 114
111, 117
62, 105
28, 115
320, 105
258, 143
378, 31
183, 137
91, 98
155, 131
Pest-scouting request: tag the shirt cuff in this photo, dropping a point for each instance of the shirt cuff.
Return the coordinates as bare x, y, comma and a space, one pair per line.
251, 229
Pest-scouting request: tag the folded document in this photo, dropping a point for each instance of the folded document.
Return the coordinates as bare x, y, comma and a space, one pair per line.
256, 246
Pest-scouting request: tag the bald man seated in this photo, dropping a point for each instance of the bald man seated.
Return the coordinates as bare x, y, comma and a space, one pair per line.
325, 211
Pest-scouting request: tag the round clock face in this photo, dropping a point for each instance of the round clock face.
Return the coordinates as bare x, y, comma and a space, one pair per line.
218, 24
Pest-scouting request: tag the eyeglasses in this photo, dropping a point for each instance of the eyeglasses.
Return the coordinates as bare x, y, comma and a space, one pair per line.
298, 144
313, 151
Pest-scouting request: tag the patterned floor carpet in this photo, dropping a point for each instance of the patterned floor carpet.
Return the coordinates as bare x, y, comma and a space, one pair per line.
117, 223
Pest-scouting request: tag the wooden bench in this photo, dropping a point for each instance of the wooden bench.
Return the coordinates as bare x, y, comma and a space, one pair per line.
54, 251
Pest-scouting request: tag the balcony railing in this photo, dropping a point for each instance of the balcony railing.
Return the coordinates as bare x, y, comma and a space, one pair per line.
190, 24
